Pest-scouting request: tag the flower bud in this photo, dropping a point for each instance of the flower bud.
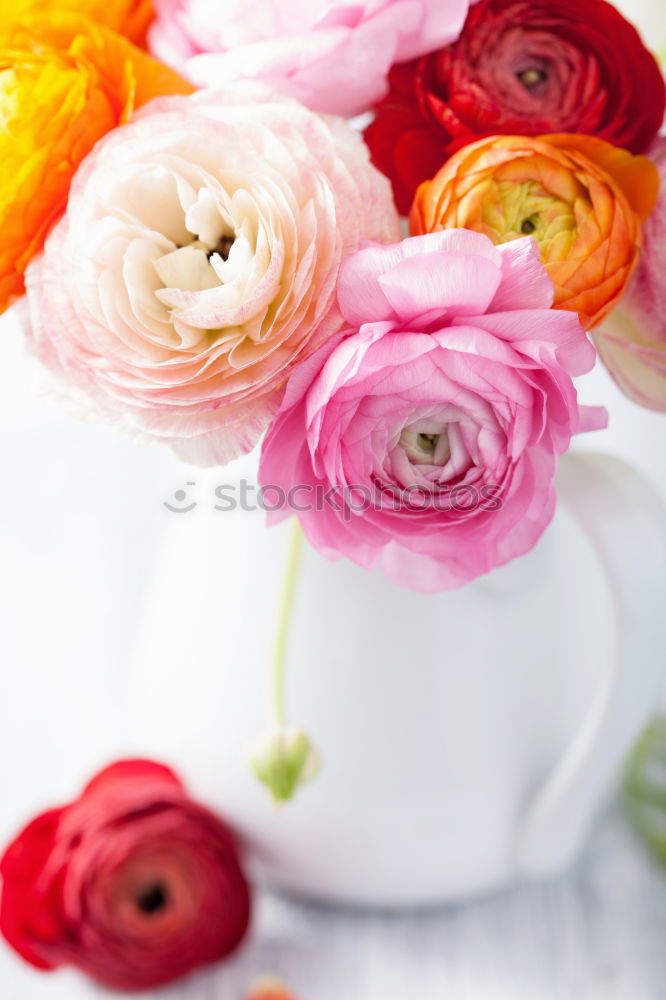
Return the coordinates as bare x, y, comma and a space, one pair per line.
285, 761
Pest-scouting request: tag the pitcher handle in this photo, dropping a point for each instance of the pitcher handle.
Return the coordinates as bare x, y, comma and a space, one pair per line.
626, 521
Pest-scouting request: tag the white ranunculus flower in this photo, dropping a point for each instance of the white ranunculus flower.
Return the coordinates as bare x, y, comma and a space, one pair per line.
197, 264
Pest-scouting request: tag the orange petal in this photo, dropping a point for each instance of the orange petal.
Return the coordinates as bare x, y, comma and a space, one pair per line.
65, 82
636, 176
131, 18
601, 191
269, 989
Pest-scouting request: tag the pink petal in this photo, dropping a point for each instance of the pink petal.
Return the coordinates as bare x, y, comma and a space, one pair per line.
592, 418
525, 282
456, 284
359, 293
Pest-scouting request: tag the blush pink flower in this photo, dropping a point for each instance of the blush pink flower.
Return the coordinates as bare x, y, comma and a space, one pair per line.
424, 442
197, 264
332, 55
133, 883
632, 340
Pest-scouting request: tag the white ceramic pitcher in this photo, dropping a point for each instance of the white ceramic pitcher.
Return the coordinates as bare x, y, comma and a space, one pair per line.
468, 738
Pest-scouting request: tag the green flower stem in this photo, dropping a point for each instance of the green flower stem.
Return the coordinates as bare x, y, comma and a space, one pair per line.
284, 623
285, 759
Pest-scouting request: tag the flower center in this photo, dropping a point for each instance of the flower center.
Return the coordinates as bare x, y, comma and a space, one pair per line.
198, 263
527, 227
426, 448
532, 78
223, 247
427, 443
152, 899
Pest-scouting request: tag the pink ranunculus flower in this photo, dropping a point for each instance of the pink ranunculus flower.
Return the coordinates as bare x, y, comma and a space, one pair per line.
197, 264
425, 441
632, 341
333, 55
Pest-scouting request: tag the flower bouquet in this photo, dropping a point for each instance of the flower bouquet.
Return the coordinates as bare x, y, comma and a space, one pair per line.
207, 247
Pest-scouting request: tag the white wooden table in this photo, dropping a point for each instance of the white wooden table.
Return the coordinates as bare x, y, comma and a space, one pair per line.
599, 934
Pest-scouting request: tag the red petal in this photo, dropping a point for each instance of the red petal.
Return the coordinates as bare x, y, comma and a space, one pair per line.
132, 770
30, 907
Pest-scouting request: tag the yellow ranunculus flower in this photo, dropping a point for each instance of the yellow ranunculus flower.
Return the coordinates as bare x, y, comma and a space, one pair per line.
64, 83
128, 17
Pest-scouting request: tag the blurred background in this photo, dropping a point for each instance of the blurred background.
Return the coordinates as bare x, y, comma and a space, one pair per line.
82, 519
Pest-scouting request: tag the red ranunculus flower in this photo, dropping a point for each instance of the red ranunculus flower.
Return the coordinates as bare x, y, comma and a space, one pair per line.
519, 68
133, 883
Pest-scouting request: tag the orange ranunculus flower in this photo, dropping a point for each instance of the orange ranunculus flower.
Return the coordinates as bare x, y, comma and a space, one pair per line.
581, 198
269, 989
131, 18
64, 83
